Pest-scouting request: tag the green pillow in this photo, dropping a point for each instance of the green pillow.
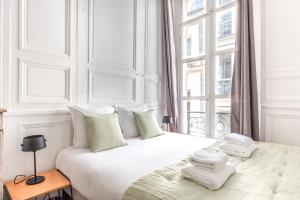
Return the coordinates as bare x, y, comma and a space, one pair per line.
147, 124
104, 132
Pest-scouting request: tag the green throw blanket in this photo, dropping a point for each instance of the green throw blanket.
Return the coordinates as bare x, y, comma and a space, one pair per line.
271, 173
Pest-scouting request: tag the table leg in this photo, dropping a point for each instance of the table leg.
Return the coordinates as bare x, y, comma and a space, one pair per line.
59, 194
6, 195
71, 190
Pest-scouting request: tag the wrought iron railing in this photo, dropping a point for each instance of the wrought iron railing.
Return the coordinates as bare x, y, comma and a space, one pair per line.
222, 123
197, 123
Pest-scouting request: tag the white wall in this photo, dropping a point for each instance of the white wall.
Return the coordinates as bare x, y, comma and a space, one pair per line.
57, 53
257, 11
281, 72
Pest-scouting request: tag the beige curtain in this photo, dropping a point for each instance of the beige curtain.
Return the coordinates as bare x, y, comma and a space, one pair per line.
170, 64
244, 98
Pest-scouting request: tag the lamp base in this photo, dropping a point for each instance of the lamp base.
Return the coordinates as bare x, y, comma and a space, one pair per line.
35, 180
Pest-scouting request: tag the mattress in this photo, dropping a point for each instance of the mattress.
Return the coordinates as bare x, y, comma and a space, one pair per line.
107, 175
272, 172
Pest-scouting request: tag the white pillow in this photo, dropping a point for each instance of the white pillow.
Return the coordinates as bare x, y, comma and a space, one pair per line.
127, 121
80, 138
102, 110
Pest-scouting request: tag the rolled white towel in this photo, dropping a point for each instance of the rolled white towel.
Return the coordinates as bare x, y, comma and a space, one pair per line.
212, 159
211, 180
238, 139
237, 150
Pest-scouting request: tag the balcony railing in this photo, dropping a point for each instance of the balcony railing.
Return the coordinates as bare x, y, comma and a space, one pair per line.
197, 123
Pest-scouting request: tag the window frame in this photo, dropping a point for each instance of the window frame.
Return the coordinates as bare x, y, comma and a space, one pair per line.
210, 58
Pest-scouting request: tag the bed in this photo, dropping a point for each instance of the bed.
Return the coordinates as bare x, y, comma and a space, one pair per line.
150, 170
271, 173
107, 175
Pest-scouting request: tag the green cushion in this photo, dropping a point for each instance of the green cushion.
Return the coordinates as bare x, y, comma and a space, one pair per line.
104, 132
147, 124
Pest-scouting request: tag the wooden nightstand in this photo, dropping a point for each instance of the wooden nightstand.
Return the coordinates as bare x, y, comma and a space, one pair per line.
54, 181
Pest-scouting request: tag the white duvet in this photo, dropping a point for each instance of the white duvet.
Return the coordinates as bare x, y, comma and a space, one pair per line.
106, 175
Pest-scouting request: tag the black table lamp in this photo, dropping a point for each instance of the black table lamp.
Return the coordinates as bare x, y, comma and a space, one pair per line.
32, 144
167, 120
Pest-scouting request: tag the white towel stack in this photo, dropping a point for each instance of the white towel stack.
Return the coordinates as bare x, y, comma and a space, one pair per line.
208, 168
238, 145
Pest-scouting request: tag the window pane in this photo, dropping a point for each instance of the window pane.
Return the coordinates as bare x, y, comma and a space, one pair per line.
225, 29
193, 8
224, 67
194, 117
194, 39
222, 117
194, 78
220, 3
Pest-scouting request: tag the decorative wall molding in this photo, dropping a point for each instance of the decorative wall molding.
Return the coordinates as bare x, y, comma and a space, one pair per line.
280, 73
282, 82
153, 54
153, 89
24, 127
279, 31
26, 97
39, 113
83, 79
284, 137
23, 33
45, 128
153, 57
278, 106
132, 80
109, 63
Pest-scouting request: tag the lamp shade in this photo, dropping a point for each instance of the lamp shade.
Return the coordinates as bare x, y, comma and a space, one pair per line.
33, 143
167, 119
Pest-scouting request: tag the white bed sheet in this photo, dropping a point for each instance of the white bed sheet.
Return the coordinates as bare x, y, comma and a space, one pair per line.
106, 175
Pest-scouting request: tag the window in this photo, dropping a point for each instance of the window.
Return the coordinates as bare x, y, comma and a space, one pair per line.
189, 46
194, 42
207, 53
194, 6
225, 25
225, 67
223, 2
